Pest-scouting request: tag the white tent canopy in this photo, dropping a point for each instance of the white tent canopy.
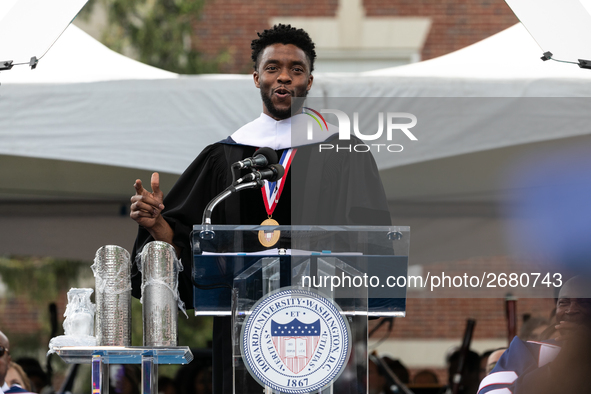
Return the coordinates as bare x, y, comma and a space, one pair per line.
76, 57
85, 103
511, 54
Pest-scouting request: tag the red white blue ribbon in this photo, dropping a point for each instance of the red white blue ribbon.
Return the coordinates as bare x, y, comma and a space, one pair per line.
272, 190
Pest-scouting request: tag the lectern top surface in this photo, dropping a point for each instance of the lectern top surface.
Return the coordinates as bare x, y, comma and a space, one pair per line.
124, 354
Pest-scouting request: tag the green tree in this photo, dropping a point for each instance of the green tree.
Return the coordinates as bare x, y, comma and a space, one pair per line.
39, 282
159, 33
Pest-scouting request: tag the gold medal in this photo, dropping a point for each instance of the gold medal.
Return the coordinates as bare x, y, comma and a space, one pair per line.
269, 238
271, 192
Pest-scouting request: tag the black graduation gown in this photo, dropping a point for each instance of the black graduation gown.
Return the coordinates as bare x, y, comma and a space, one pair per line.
322, 188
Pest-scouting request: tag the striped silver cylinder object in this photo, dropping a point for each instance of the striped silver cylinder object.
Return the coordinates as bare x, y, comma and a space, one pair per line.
159, 294
112, 272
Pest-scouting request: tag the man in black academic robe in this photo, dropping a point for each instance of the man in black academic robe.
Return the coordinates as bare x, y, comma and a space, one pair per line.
327, 188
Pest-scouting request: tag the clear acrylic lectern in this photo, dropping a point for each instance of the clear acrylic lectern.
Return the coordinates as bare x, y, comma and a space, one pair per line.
349, 268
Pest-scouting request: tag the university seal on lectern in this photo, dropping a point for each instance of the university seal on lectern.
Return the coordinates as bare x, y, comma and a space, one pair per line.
295, 341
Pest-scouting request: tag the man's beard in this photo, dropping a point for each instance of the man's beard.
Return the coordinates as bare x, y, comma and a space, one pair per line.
277, 113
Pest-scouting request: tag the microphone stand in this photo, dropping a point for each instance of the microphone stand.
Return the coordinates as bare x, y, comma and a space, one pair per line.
511, 312
458, 378
207, 232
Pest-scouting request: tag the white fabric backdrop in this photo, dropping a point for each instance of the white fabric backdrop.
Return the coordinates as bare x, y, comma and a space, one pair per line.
85, 103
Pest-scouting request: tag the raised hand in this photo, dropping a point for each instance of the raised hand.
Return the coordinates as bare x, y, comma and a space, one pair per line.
146, 206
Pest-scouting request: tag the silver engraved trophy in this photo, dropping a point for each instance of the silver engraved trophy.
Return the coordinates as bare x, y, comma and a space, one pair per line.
112, 272
160, 268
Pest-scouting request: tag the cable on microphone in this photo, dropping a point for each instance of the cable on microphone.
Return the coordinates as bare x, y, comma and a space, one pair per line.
272, 173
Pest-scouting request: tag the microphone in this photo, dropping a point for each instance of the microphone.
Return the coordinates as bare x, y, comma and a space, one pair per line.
272, 173
262, 158
253, 180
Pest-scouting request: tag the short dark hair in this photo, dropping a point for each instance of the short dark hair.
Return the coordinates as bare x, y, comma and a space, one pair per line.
283, 34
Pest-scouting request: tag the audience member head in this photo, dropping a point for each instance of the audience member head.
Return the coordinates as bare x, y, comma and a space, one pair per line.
493, 359
203, 381
126, 379
398, 368
570, 368
574, 304
37, 376
376, 381
483, 361
166, 385
4, 357
533, 328
471, 369
194, 378
16, 376
425, 377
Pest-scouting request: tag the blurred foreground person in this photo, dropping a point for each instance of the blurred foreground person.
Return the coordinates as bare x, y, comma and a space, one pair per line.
560, 365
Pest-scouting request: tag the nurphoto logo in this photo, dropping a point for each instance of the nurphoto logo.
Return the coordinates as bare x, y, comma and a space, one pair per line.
395, 123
